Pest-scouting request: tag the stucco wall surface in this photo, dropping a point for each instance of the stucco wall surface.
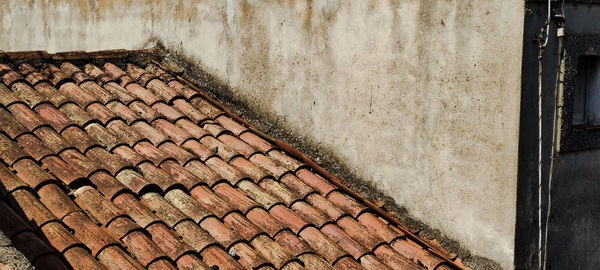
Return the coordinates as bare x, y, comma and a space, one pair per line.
420, 97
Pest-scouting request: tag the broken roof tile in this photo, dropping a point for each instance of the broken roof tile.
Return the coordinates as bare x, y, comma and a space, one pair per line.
167, 179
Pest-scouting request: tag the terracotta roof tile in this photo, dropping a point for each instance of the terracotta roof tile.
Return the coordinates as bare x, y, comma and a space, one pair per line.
77, 114
160, 264
24, 116
198, 149
107, 184
347, 263
138, 91
370, 262
28, 172
156, 176
151, 153
192, 113
124, 112
193, 129
284, 160
272, 251
27, 94
235, 197
144, 250
135, 209
173, 151
280, 191
57, 201
90, 200
139, 169
295, 184
144, 112
89, 233
155, 136
51, 139
114, 257
239, 145
377, 227
10, 183
6, 96
243, 165
130, 155
54, 117
292, 243
288, 218
205, 107
79, 162
11, 224
346, 203
187, 205
180, 174
214, 129
100, 113
209, 200
31, 208
224, 234
413, 251
168, 241
259, 195
104, 137
79, 258
394, 260
242, 226
125, 133
194, 236
10, 151
189, 261
248, 257
33, 146
256, 142
162, 208
175, 133
359, 232
309, 214
76, 134
227, 171
315, 181
112, 163
313, 261
215, 256
265, 221
323, 244
122, 226
344, 240
203, 172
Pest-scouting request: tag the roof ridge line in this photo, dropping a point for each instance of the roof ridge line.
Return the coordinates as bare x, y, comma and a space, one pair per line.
74, 55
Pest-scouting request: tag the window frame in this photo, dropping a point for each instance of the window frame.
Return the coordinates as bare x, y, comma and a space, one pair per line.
577, 137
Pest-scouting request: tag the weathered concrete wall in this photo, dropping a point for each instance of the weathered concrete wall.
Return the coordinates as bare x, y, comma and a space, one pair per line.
420, 97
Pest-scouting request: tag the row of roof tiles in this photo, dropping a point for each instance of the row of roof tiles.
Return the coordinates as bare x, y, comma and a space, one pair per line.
110, 168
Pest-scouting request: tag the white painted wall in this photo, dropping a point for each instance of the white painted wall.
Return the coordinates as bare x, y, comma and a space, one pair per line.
420, 97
